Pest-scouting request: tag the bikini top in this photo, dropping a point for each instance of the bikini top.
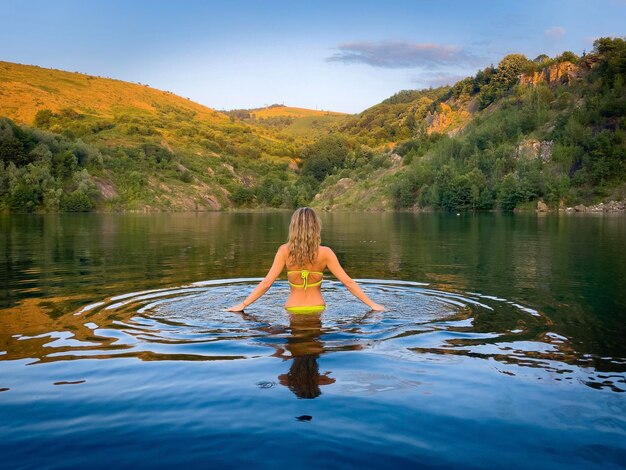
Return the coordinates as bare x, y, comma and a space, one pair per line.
305, 278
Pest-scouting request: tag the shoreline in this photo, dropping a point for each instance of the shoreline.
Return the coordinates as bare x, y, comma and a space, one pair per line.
612, 207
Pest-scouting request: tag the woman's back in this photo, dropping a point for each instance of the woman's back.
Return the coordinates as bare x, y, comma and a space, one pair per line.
305, 260
309, 274
305, 280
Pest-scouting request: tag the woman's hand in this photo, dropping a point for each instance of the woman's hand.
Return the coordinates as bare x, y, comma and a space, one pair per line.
377, 307
237, 308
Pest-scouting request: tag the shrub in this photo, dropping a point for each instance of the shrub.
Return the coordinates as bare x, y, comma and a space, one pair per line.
77, 201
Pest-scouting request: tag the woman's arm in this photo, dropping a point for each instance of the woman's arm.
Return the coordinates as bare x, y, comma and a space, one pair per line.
335, 268
266, 283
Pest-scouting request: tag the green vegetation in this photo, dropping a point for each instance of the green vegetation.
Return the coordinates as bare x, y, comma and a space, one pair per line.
580, 125
42, 170
491, 141
397, 118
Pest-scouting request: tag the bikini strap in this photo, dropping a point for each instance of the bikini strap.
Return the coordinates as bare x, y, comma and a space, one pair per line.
304, 274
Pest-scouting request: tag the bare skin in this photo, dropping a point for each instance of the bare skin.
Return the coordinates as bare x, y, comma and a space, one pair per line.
326, 258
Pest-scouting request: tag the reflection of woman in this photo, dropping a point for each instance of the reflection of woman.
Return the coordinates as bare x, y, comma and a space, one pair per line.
305, 260
303, 378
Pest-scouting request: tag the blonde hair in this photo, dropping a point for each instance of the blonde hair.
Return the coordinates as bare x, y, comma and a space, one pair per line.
304, 236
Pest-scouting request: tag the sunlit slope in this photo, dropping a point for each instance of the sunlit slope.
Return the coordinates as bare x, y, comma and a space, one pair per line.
117, 113
150, 149
289, 122
26, 89
289, 111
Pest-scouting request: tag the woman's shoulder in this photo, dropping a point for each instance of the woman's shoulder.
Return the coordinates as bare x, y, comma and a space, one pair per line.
325, 250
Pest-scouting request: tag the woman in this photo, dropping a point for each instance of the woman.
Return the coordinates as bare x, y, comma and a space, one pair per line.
305, 260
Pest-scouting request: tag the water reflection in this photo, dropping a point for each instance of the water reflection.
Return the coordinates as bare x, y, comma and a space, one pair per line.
304, 347
513, 325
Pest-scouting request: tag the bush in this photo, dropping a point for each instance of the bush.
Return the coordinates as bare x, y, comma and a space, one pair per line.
242, 196
25, 198
77, 201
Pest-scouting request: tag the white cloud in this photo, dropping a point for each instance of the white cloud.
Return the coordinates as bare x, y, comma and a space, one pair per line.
397, 55
556, 32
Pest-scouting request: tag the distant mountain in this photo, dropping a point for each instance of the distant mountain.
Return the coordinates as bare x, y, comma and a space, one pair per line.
302, 123
290, 111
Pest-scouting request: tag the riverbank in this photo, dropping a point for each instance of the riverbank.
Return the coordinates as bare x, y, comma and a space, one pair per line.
608, 207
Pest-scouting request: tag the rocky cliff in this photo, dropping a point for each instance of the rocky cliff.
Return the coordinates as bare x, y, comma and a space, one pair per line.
562, 72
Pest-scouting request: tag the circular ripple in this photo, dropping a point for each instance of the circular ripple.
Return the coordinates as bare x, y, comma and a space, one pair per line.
196, 315
421, 323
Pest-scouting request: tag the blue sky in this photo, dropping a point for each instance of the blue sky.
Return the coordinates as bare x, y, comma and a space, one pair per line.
343, 56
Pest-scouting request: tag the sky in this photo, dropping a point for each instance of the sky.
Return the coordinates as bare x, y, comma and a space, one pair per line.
331, 55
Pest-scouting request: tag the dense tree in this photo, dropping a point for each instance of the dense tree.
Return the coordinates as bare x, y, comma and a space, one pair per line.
325, 156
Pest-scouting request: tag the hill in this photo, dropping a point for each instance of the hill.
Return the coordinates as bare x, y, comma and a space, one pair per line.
27, 89
397, 118
548, 132
303, 124
290, 111
525, 134
152, 150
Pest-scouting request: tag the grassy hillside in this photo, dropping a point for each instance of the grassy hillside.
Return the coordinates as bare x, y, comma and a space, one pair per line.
290, 111
151, 150
27, 89
290, 123
115, 112
548, 129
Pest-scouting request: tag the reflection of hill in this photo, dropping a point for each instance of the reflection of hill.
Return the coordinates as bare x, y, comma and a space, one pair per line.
570, 269
28, 327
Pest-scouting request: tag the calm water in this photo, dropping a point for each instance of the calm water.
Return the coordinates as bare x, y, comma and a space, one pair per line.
503, 344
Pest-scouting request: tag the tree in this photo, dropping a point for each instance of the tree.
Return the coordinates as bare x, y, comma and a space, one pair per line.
324, 156
76, 201
508, 196
25, 198
43, 118
242, 196
568, 56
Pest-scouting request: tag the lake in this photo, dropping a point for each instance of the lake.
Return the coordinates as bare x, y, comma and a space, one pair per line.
503, 343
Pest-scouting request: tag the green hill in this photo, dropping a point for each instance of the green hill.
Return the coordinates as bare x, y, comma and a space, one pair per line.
291, 123
549, 129
133, 146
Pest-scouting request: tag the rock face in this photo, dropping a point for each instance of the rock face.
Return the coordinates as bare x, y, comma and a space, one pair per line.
396, 160
563, 72
445, 117
106, 188
542, 206
533, 149
611, 206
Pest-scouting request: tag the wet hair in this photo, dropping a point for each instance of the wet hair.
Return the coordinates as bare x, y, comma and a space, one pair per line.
304, 236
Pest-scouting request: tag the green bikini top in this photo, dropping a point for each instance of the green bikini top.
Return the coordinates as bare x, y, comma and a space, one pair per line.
305, 279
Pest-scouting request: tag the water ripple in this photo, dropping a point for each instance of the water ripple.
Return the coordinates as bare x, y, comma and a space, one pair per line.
421, 323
